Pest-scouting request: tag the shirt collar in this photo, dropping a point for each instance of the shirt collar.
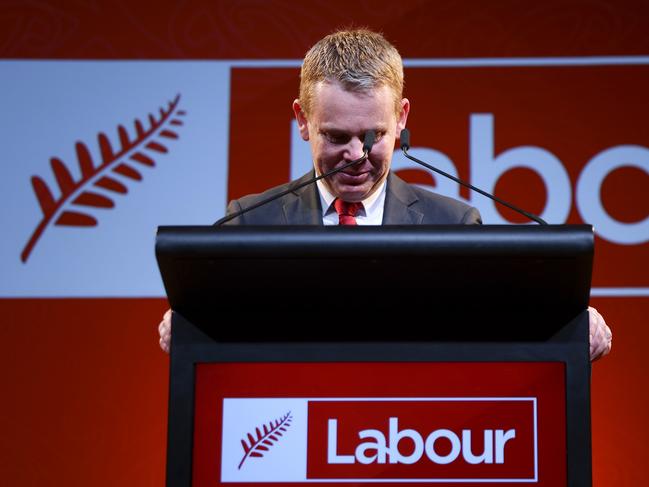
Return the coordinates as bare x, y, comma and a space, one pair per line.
369, 204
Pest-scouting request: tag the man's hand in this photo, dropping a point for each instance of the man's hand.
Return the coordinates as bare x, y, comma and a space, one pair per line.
164, 328
601, 338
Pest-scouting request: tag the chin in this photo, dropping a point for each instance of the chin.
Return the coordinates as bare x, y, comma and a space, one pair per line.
352, 195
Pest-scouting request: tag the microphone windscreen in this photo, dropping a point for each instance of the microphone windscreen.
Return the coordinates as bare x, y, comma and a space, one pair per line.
368, 141
405, 139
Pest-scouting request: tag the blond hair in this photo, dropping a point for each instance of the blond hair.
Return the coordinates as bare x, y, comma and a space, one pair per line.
360, 60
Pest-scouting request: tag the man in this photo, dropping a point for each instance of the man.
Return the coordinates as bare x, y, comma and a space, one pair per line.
352, 82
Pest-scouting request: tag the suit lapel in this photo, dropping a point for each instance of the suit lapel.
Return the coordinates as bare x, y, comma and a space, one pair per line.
399, 199
304, 208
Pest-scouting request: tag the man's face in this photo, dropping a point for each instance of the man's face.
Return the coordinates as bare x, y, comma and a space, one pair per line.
335, 127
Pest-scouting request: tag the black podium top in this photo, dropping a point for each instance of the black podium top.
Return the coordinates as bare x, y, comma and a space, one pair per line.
377, 283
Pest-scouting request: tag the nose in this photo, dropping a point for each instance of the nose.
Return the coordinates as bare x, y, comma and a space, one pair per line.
354, 149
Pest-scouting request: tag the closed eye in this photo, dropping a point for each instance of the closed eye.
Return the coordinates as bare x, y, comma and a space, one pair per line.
336, 137
340, 138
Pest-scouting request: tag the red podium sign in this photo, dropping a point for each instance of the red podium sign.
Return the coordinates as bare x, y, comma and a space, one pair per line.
359, 423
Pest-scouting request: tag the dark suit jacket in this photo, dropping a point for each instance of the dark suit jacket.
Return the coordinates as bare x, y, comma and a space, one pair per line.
404, 205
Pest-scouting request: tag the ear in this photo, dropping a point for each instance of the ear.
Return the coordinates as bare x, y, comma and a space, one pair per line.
403, 116
300, 116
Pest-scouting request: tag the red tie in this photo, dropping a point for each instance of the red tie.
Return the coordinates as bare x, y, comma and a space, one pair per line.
347, 211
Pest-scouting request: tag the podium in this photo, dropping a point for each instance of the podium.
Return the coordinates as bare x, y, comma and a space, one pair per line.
446, 355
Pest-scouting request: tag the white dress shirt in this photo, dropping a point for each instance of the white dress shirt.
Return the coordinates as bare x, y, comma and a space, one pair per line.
370, 214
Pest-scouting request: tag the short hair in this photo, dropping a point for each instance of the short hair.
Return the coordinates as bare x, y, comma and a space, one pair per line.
360, 60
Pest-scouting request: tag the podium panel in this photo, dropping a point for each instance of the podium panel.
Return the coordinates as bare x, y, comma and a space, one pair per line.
482, 377
356, 423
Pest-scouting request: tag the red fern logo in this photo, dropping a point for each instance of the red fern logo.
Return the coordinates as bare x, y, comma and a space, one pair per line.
115, 168
256, 447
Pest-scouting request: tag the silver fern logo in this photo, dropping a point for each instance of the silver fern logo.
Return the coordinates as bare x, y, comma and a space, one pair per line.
78, 199
265, 437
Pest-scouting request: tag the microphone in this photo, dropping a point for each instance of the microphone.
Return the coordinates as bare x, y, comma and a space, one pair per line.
405, 146
368, 142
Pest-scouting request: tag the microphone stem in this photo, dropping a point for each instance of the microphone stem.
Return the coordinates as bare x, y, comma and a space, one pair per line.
537, 219
232, 216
